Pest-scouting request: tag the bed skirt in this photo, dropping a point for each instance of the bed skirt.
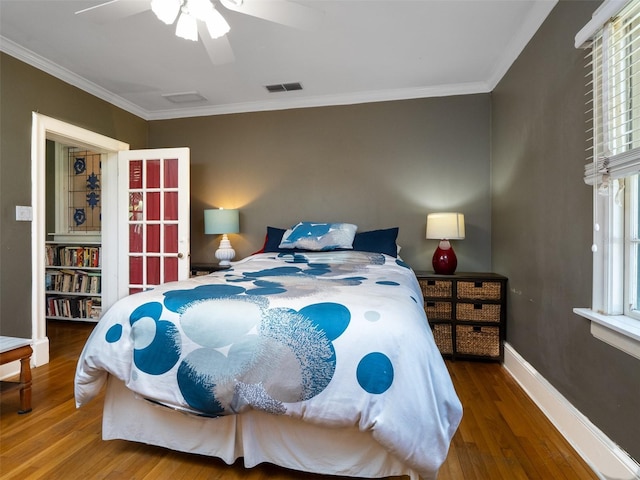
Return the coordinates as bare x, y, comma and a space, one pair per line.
256, 436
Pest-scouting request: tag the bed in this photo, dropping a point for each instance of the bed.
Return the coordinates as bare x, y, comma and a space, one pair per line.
315, 360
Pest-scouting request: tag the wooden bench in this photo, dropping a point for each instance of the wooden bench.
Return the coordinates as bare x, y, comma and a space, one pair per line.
12, 349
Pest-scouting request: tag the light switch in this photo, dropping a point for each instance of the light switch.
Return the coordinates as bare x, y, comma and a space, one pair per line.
24, 213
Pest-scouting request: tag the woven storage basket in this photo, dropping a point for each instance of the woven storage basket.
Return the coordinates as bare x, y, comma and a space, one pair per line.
442, 336
438, 310
476, 340
479, 290
436, 288
476, 312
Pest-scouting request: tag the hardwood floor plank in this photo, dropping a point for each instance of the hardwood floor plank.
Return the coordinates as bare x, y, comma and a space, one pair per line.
503, 435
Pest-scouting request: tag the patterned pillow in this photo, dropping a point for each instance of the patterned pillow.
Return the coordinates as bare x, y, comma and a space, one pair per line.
319, 236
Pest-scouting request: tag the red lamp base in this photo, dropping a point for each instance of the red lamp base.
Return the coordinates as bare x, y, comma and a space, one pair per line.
444, 259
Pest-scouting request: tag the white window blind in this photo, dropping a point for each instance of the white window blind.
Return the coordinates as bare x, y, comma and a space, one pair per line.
614, 98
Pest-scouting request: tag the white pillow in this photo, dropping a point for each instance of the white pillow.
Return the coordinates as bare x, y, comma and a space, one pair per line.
319, 236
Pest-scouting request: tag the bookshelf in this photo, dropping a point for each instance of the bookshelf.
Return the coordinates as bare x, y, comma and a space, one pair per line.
73, 280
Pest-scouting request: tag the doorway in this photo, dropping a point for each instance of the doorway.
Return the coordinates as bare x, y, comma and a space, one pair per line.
46, 128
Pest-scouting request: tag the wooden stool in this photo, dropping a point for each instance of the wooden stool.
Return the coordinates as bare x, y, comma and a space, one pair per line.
12, 349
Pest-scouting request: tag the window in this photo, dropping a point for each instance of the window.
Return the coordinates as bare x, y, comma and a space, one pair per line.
613, 41
78, 195
83, 185
632, 301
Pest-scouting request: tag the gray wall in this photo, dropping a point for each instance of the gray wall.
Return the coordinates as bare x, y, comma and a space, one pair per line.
541, 229
24, 90
377, 165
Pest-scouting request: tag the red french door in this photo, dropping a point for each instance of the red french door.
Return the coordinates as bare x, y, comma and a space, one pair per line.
154, 229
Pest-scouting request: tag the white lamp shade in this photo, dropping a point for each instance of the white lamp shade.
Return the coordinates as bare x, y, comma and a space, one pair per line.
218, 221
449, 226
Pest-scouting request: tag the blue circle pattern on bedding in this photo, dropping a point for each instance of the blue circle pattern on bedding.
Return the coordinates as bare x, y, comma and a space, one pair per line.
244, 353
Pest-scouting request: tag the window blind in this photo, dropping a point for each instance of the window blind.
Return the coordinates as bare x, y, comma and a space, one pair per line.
613, 99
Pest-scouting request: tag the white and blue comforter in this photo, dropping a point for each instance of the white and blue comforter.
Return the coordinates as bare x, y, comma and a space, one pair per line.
335, 338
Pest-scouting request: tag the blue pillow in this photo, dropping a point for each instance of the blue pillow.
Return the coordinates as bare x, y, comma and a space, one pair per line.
316, 236
377, 241
274, 237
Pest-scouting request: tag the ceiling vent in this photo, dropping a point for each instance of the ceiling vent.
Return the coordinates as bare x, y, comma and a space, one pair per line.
283, 87
184, 97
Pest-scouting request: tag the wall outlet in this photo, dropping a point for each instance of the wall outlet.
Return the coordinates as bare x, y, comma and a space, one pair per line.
24, 214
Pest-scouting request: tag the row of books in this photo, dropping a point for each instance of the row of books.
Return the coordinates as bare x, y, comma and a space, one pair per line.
72, 256
74, 307
73, 281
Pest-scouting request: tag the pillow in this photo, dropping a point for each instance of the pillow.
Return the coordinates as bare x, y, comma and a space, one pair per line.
272, 242
377, 241
319, 236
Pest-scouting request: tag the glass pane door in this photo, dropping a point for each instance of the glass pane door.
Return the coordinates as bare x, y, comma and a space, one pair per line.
157, 217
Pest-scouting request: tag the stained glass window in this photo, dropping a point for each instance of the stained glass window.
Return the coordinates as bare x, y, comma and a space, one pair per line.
85, 199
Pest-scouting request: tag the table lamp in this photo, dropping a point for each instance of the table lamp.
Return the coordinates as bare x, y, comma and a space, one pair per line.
444, 227
221, 221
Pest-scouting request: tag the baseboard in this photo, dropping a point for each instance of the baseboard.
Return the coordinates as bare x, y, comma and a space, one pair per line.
606, 459
40, 356
40, 352
10, 369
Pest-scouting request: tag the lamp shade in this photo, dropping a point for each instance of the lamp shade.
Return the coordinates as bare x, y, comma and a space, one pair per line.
218, 221
449, 226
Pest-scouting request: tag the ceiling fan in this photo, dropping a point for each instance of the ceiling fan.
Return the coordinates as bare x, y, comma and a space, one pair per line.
202, 17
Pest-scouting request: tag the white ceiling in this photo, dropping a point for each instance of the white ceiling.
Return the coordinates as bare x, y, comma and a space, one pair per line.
359, 51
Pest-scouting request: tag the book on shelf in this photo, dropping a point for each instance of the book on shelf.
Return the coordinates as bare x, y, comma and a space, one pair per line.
74, 307
96, 308
95, 283
73, 281
66, 282
72, 256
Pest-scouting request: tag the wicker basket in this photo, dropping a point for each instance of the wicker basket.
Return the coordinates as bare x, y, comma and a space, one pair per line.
479, 290
438, 310
478, 312
478, 340
442, 336
436, 288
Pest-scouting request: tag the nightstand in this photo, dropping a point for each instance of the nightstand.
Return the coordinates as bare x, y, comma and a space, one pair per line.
467, 313
206, 268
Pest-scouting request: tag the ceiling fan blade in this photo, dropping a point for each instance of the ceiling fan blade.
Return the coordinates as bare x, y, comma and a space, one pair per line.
219, 49
284, 12
114, 9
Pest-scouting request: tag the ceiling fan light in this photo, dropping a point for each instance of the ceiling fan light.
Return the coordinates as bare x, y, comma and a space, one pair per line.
199, 9
187, 27
166, 10
216, 24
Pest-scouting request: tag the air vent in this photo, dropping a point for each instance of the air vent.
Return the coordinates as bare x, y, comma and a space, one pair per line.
184, 97
283, 87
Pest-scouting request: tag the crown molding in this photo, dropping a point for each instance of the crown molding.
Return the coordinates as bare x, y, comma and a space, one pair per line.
323, 101
27, 56
537, 16
41, 63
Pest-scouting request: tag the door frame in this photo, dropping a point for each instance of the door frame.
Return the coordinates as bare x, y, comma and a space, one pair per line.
46, 128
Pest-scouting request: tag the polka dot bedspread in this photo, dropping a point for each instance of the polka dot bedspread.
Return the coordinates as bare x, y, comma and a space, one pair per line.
333, 338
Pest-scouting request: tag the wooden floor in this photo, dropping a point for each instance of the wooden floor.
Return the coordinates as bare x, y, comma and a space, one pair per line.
502, 434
